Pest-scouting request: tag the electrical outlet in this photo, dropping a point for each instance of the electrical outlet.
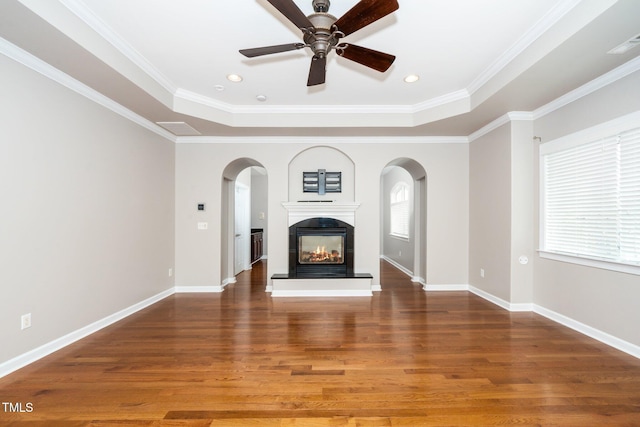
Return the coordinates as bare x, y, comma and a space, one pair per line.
171, 272
482, 272
25, 321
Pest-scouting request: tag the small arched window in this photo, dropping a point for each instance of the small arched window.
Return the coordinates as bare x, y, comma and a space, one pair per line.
399, 215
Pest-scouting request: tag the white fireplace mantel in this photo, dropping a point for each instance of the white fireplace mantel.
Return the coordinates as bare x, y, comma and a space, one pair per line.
299, 211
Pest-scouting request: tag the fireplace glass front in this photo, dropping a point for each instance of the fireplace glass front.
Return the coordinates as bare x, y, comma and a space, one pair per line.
319, 249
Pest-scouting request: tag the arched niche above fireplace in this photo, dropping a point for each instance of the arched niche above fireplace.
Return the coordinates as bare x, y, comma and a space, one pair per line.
321, 158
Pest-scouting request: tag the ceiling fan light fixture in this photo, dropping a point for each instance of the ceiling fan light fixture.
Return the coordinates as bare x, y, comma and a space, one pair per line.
235, 78
411, 78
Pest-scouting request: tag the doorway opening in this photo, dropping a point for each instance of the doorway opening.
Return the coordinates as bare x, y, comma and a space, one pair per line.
403, 186
243, 217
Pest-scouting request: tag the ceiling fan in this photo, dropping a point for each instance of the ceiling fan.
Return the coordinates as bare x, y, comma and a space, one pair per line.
322, 33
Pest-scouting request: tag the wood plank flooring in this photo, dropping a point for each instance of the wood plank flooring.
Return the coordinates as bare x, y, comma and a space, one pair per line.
400, 358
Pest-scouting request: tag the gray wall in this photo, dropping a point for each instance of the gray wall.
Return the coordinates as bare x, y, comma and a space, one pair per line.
490, 212
87, 211
602, 299
198, 177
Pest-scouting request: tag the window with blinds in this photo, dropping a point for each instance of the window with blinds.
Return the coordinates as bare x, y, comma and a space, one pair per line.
400, 205
591, 199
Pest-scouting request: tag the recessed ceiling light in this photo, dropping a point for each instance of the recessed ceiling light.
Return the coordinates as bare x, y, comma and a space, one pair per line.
412, 78
234, 78
261, 98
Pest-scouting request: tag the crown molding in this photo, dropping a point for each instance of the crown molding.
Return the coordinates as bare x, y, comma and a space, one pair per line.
500, 121
87, 16
542, 26
312, 140
598, 83
36, 64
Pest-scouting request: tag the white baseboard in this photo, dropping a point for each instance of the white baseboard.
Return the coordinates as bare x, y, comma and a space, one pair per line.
398, 266
587, 330
594, 333
500, 302
59, 343
444, 288
199, 289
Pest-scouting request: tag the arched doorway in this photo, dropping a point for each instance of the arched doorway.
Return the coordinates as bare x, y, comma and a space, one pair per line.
403, 184
241, 211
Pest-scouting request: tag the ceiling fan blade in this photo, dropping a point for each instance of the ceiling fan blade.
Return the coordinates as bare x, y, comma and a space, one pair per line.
379, 61
318, 71
268, 50
292, 12
364, 13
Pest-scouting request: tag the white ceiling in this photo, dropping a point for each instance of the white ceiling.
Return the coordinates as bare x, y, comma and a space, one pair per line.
477, 60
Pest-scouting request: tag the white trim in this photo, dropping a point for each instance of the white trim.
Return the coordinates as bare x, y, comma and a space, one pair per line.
590, 262
593, 133
28, 60
87, 16
561, 319
68, 339
444, 288
540, 28
300, 211
500, 302
589, 331
398, 266
590, 134
323, 140
419, 280
439, 101
500, 121
199, 289
596, 84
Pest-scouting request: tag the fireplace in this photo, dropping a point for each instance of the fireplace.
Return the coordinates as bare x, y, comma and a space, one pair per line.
321, 247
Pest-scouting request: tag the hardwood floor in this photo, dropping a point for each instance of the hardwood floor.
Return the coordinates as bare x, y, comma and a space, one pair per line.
400, 358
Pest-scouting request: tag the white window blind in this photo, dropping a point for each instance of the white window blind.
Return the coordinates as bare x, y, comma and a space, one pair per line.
591, 199
399, 215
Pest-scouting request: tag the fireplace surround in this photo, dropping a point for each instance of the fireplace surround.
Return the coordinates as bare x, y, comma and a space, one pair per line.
321, 248
314, 271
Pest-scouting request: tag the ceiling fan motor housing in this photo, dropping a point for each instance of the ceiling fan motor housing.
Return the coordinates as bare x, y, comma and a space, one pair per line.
321, 5
321, 40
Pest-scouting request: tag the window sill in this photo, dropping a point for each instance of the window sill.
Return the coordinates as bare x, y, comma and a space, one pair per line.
589, 262
399, 237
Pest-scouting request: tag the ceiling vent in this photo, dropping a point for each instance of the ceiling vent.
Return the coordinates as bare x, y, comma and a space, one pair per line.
626, 46
179, 128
